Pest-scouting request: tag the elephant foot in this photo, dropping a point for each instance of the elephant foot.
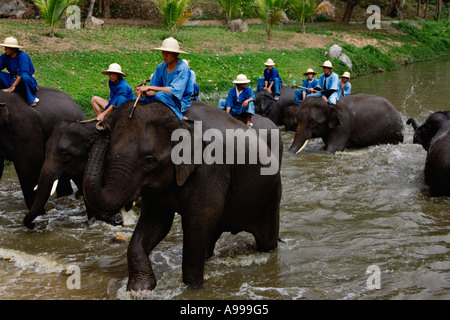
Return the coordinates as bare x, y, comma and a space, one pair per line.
141, 283
115, 220
195, 285
28, 221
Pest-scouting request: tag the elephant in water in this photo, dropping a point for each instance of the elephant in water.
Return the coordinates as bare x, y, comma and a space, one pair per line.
434, 136
215, 183
357, 121
267, 106
66, 156
24, 131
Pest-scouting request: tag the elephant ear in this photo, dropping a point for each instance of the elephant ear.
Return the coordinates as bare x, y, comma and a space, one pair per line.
334, 116
185, 169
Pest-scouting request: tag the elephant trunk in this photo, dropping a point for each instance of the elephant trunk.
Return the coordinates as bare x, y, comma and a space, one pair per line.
106, 199
301, 138
46, 185
413, 121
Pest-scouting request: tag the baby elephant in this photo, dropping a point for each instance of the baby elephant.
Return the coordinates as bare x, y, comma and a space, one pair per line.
434, 136
66, 156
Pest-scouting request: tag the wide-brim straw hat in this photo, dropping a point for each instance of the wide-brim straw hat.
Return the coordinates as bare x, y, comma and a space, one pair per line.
170, 45
309, 71
269, 62
346, 74
241, 78
114, 68
11, 42
327, 64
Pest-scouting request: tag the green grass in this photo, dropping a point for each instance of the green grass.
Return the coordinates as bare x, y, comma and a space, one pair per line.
73, 61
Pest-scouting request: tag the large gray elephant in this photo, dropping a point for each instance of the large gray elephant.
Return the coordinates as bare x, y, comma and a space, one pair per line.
66, 156
267, 106
24, 130
434, 136
188, 167
356, 121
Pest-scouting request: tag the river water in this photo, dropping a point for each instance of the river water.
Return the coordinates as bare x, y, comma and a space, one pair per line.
358, 224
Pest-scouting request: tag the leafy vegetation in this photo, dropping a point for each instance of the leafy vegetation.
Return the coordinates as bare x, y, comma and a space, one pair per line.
53, 10
173, 12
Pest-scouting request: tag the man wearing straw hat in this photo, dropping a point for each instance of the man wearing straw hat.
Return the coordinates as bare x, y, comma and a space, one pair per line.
307, 86
171, 82
344, 88
120, 92
328, 84
21, 71
240, 100
272, 80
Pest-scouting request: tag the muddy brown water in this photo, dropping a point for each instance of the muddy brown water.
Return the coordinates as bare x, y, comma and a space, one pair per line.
358, 224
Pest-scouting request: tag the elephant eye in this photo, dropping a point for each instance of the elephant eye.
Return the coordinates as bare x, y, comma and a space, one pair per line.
313, 123
65, 156
150, 162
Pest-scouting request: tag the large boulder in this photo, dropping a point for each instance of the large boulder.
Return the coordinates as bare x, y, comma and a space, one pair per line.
93, 23
12, 8
237, 26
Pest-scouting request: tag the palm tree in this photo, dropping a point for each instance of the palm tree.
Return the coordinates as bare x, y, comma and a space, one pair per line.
306, 9
271, 12
232, 8
173, 12
53, 10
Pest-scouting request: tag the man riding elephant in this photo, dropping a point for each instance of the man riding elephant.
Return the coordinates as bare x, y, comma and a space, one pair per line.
21, 71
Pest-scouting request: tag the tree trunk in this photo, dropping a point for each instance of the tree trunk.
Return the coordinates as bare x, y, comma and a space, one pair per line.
426, 9
438, 9
348, 10
418, 8
106, 9
91, 9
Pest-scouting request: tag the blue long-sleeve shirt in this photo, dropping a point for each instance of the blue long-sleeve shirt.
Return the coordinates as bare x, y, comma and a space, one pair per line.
330, 83
120, 93
347, 89
178, 81
235, 100
271, 75
20, 65
307, 84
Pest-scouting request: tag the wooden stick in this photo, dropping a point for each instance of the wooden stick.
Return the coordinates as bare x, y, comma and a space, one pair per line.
309, 88
88, 120
137, 100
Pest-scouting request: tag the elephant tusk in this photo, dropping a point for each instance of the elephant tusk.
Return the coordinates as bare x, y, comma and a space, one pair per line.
35, 188
55, 184
303, 147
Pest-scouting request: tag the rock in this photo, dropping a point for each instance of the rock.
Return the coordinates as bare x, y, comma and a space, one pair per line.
335, 51
413, 24
120, 237
93, 23
196, 12
284, 18
237, 26
345, 59
12, 9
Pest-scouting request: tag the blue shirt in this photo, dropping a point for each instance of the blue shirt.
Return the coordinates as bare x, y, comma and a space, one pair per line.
271, 75
313, 84
20, 65
235, 101
120, 93
347, 89
178, 81
331, 82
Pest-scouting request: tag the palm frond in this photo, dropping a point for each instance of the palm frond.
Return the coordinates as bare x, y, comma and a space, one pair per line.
325, 7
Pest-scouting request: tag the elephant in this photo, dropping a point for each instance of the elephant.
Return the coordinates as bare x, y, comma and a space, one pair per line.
434, 136
66, 155
142, 158
356, 121
290, 116
24, 130
267, 106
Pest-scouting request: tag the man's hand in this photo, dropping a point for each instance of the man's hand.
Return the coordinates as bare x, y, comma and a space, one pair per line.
11, 89
324, 98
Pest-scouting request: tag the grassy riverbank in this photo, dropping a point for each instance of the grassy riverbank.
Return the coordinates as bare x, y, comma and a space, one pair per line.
73, 60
